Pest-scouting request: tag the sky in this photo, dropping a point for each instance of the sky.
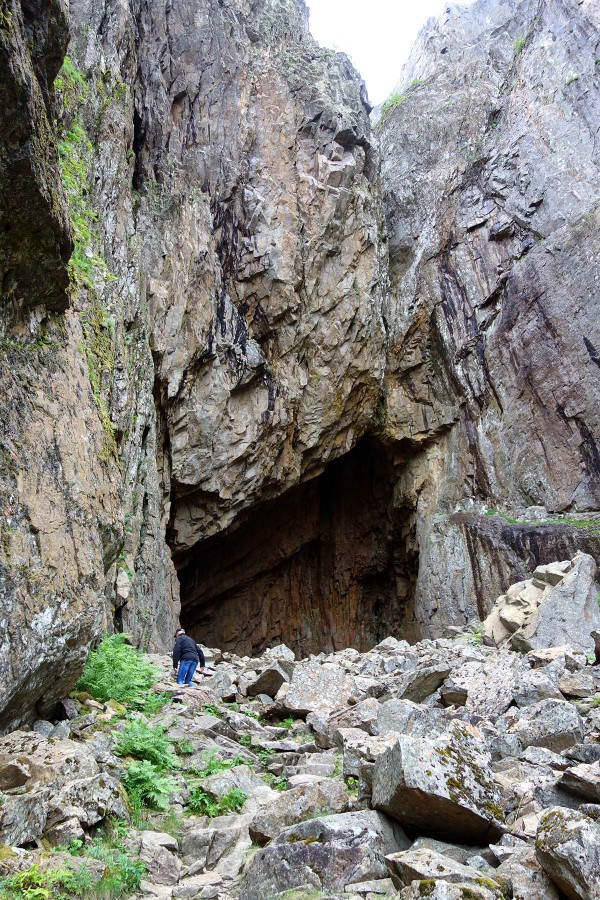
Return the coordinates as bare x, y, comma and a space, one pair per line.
376, 34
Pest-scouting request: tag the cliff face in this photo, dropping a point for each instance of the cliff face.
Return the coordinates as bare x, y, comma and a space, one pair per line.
490, 173
234, 378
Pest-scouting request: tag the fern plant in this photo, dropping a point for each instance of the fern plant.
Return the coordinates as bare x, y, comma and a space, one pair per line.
115, 671
147, 785
146, 742
202, 803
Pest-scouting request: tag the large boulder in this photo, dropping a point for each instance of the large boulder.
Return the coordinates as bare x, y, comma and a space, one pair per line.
290, 807
568, 849
324, 854
443, 787
318, 687
557, 606
428, 865
554, 724
485, 687
48, 783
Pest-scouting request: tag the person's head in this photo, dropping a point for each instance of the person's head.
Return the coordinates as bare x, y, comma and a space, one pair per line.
179, 631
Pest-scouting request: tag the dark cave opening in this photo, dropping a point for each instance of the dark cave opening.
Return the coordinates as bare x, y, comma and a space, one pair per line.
329, 564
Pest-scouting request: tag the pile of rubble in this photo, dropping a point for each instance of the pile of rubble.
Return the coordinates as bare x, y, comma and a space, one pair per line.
447, 769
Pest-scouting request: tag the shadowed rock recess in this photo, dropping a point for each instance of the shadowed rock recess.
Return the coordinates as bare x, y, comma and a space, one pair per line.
273, 371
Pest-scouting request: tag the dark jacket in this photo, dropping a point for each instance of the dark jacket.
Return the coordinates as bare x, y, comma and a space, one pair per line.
186, 648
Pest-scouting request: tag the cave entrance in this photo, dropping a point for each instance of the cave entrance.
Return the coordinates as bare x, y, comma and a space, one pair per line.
329, 564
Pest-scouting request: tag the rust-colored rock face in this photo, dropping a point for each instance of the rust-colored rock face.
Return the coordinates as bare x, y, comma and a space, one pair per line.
324, 567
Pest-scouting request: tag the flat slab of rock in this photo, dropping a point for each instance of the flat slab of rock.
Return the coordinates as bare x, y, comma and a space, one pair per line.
442, 787
443, 890
568, 849
324, 854
554, 724
318, 687
583, 683
428, 865
583, 780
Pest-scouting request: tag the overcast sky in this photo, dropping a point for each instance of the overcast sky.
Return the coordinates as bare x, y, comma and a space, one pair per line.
377, 34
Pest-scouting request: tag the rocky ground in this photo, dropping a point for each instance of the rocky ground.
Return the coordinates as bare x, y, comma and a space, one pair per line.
445, 769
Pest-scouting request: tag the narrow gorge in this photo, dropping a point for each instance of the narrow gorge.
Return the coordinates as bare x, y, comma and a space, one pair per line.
271, 369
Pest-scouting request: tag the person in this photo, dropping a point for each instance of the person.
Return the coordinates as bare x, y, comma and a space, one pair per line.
186, 654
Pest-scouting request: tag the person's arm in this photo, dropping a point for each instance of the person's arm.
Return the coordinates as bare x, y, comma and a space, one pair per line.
176, 654
201, 656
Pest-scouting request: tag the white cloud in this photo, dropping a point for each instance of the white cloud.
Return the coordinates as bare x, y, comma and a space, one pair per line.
376, 34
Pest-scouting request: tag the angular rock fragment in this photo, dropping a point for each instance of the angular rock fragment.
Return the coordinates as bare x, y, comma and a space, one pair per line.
485, 688
268, 681
443, 890
442, 787
568, 849
324, 854
583, 780
324, 798
318, 687
554, 724
529, 881
428, 865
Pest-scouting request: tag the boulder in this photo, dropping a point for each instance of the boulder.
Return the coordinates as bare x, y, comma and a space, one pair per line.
63, 783
406, 717
557, 606
583, 683
583, 780
443, 890
529, 881
318, 687
568, 849
485, 688
268, 681
442, 787
158, 853
555, 724
322, 798
428, 865
323, 854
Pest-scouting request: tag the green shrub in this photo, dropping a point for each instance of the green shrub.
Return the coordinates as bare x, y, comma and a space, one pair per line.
393, 100
213, 763
115, 671
204, 805
153, 703
37, 884
148, 786
122, 874
518, 45
146, 742
184, 746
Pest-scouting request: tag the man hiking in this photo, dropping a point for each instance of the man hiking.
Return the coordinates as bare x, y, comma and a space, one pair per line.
186, 654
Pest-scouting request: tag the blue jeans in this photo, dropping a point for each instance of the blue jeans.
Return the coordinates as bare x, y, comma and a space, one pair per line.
187, 667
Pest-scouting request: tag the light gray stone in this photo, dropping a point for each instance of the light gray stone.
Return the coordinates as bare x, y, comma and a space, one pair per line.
442, 787
568, 849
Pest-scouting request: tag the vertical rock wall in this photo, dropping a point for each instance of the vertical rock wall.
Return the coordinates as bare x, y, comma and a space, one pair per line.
490, 166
